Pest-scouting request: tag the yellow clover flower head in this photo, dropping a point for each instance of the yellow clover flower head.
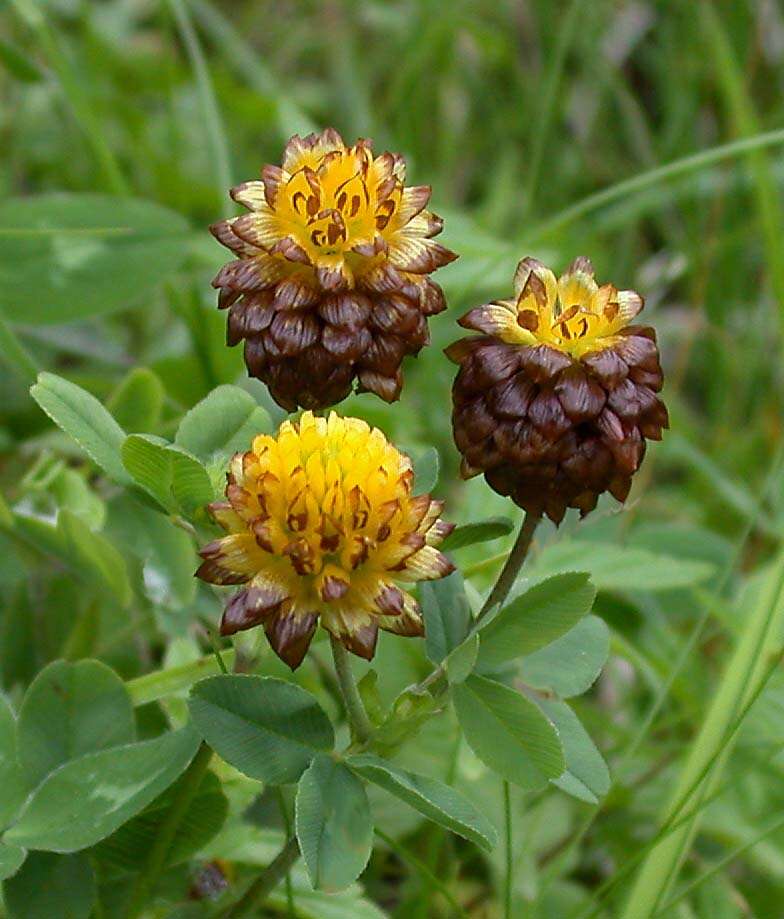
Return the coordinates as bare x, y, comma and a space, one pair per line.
322, 525
330, 284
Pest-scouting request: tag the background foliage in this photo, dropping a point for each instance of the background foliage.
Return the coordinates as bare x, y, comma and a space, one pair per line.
643, 134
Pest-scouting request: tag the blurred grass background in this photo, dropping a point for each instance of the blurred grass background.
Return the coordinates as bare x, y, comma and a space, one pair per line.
647, 135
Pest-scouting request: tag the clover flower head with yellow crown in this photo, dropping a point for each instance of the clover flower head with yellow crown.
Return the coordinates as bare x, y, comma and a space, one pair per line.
331, 281
555, 399
322, 526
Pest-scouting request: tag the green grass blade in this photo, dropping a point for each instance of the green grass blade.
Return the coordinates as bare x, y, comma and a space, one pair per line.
677, 818
246, 62
746, 124
215, 130
74, 93
423, 871
662, 688
14, 354
645, 180
740, 681
540, 126
722, 863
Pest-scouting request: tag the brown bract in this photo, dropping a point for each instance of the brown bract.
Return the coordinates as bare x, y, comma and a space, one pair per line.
555, 401
330, 283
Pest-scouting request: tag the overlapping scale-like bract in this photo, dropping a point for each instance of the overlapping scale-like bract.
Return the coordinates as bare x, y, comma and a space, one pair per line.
330, 284
322, 526
555, 399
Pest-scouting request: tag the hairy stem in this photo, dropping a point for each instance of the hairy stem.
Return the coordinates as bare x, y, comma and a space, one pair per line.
162, 683
511, 569
265, 883
508, 851
284, 813
156, 859
361, 727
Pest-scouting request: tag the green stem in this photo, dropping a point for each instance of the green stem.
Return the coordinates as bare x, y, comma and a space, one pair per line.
508, 880
161, 847
265, 883
284, 813
361, 727
511, 569
217, 653
162, 683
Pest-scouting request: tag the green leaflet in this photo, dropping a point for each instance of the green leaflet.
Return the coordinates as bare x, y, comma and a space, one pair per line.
266, 728
585, 775
177, 480
224, 422
69, 256
508, 732
84, 419
570, 665
88, 798
334, 825
433, 799
50, 886
447, 615
472, 533
534, 619
137, 401
12, 780
71, 709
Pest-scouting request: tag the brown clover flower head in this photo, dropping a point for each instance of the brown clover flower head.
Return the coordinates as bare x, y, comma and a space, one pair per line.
322, 525
555, 400
330, 284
